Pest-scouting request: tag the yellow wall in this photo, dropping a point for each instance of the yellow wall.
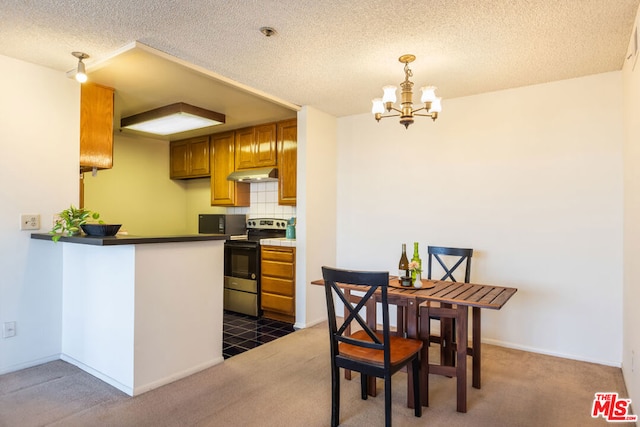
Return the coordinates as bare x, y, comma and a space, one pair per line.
199, 201
137, 192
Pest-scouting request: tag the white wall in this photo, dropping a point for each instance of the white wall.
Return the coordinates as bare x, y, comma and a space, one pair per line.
39, 157
631, 319
316, 199
531, 178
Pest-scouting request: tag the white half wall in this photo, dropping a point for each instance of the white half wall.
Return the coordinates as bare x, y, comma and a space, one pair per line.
39, 157
141, 316
531, 178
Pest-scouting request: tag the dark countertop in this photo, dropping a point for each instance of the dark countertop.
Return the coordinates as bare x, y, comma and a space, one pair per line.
131, 240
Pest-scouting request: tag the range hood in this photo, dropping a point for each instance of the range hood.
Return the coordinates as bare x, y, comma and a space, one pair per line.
254, 175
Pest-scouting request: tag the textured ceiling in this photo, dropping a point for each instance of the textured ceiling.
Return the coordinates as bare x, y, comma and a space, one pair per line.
335, 55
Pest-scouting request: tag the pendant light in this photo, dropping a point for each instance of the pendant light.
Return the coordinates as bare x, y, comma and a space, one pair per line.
81, 73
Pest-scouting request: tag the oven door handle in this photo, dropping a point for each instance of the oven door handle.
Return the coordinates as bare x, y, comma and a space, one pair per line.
250, 247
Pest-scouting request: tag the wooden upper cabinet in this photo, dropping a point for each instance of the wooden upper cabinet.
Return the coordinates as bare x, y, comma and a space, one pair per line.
199, 151
244, 148
189, 158
255, 147
287, 161
96, 127
223, 191
179, 159
265, 141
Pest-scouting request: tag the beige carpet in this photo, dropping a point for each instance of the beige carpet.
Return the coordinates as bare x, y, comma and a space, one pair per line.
287, 383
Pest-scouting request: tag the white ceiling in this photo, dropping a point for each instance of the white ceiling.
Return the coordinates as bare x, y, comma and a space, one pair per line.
334, 55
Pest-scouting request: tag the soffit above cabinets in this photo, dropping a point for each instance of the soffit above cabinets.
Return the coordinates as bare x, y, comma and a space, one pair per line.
144, 79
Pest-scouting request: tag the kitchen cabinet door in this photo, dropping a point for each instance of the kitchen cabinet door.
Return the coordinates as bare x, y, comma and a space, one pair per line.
244, 149
223, 191
265, 145
199, 152
287, 161
179, 163
189, 158
255, 147
96, 127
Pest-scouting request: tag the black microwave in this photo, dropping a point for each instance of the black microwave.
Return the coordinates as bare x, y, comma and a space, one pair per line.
222, 224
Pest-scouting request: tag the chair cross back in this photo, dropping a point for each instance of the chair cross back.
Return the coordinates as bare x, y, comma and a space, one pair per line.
374, 281
354, 314
438, 251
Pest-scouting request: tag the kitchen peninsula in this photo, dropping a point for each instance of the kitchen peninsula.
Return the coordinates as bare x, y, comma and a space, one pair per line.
141, 312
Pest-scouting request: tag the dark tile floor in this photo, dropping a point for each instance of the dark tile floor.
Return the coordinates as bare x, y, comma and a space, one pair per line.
242, 333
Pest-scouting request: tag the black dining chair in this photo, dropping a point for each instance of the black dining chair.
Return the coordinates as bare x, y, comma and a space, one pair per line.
452, 261
364, 350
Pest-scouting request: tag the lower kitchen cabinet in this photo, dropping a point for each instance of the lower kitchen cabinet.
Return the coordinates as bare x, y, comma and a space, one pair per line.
278, 283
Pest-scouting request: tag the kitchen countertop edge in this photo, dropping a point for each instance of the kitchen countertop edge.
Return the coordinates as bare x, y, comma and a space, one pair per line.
131, 240
278, 241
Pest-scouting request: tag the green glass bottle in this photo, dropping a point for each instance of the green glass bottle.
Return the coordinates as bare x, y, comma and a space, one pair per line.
416, 258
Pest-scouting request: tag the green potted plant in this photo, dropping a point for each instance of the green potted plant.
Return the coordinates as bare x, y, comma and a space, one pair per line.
70, 220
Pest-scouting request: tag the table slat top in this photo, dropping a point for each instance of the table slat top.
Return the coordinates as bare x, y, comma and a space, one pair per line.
470, 294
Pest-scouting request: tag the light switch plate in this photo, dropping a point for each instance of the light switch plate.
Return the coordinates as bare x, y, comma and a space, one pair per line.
9, 329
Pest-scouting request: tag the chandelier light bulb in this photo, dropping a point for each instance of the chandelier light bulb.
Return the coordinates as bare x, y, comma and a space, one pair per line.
378, 106
436, 105
389, 94
428, 94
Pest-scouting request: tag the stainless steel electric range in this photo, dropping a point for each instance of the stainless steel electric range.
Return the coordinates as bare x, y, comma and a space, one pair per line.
242, 265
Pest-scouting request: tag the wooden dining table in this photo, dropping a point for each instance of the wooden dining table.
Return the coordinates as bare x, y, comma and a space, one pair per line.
459, 296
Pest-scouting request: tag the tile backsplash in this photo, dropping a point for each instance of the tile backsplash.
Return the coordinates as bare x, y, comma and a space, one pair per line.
264, 203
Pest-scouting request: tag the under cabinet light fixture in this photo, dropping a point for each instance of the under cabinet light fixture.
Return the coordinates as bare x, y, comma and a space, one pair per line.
174, 118
81, 72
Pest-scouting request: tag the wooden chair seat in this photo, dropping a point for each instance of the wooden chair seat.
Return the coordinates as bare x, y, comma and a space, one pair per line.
402, 349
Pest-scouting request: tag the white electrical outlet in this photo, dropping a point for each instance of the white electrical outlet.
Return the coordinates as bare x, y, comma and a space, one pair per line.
30, 222
9, 330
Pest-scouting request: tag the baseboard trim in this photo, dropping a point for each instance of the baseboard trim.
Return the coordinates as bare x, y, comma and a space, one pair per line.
138, 390
551, 353
106, 378
29, 364
176, 376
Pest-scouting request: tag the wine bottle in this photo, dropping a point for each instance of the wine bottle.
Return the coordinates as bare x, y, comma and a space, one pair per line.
403, 265
416, 259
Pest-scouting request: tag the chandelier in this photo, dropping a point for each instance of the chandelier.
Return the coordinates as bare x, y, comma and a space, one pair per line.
432, 104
